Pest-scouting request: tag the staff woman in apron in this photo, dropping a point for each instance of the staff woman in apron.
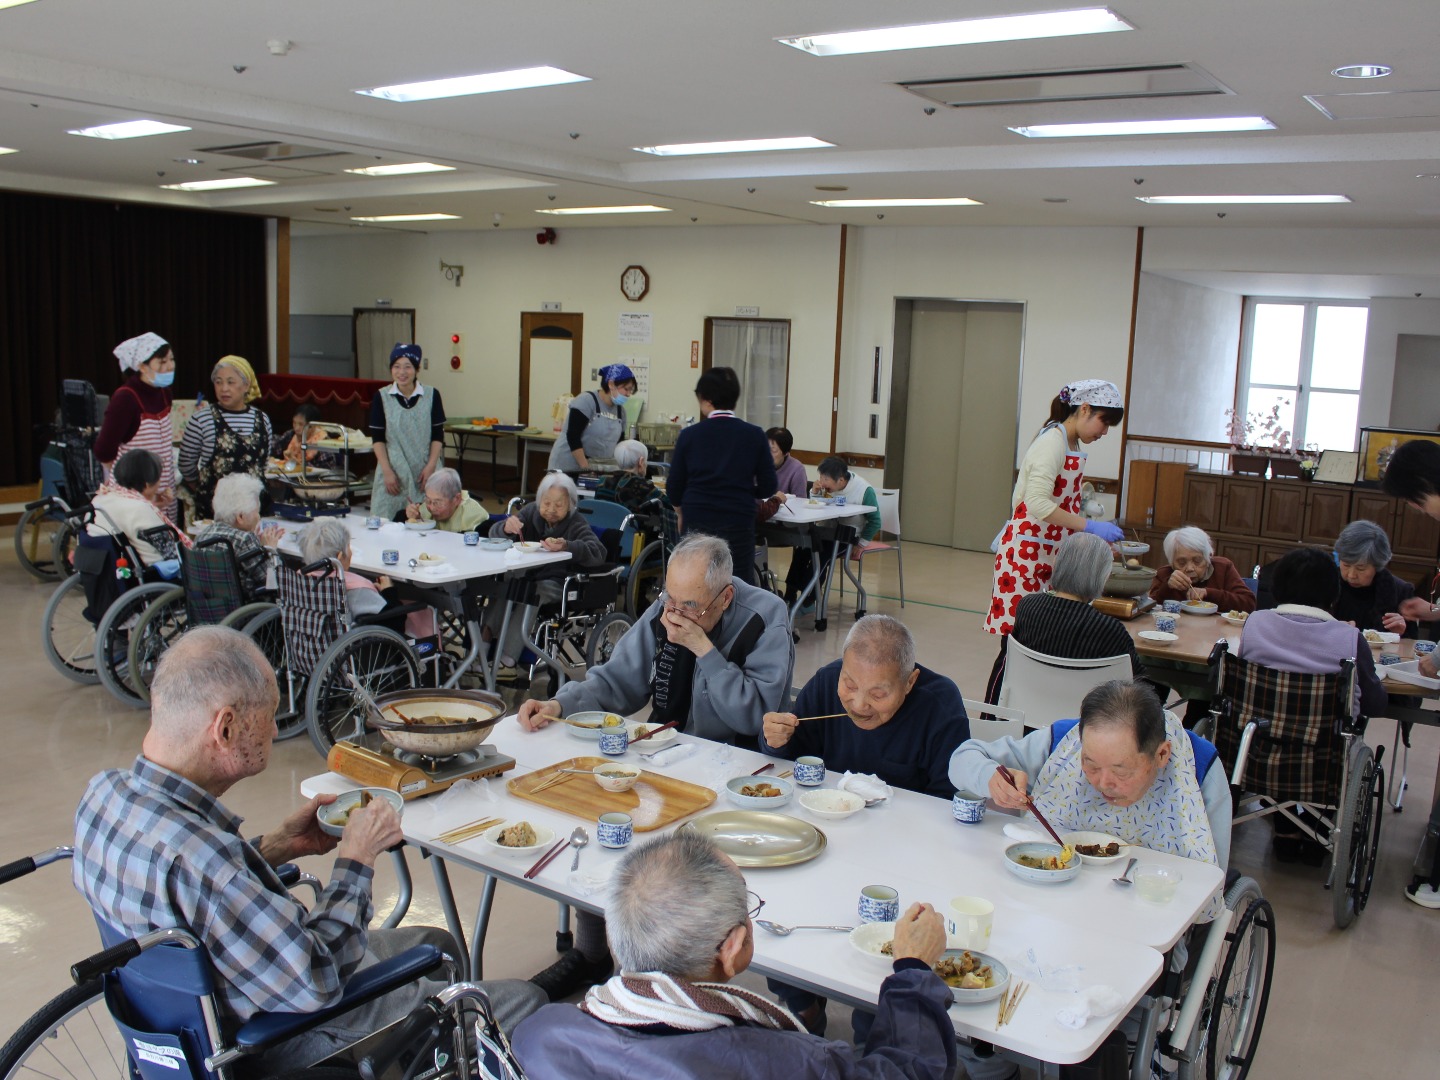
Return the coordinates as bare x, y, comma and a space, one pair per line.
1047, 496
407, 423
138, 417
230, 436
595, 422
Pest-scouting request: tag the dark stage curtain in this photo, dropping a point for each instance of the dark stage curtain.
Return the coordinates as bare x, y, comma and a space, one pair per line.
77, 277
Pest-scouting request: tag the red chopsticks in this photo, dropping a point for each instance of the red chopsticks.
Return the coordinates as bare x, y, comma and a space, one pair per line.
1031, 803
546, 859
763, 769
657, 730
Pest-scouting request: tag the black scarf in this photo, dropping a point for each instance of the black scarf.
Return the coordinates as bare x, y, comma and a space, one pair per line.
672, 675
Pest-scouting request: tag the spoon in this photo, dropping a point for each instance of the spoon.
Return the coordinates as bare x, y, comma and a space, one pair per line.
578, 839
785, 931
1124, 879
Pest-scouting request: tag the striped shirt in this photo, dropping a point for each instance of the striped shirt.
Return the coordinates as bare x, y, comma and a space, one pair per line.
155, 850
1057, 626
197, 446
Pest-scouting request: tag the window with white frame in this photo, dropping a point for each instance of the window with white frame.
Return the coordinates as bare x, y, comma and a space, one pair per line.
1305, 356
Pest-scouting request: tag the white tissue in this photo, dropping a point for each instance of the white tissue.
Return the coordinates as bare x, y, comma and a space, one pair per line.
1023, 833
588, 883
866, 785
1092, 1002
449, 805
669, 755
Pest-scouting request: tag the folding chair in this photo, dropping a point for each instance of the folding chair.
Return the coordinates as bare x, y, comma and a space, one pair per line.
1049, 688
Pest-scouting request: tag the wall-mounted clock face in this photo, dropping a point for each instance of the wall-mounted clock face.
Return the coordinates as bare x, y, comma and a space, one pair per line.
634, 283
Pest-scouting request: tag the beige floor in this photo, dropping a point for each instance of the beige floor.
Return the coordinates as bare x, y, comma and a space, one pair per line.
1345, 1003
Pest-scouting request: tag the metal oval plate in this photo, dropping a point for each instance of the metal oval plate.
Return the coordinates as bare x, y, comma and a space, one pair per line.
758, 838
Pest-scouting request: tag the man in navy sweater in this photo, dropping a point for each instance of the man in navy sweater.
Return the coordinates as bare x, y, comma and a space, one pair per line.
719, 468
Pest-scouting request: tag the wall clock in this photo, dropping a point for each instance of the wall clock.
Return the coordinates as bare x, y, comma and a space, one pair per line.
634, 283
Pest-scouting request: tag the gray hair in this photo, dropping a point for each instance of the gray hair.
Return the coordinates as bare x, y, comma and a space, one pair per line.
1363, 542
444, 483
672, 903
236, 494
882, 639
1082, 563
630, 453
714, 552
1190, 538
564, 483
208, 669
1132, 705
326, 538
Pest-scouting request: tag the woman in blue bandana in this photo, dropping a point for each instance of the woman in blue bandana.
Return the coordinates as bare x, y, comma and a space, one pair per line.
407, 422
595, 422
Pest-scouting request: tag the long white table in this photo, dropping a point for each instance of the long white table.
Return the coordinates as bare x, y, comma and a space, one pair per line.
796, 524
1089, 930
443, 586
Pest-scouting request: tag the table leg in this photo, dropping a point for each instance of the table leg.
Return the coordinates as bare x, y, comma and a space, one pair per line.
472, 627
452, 915
494, 467
406, 886
860, 594
482, 926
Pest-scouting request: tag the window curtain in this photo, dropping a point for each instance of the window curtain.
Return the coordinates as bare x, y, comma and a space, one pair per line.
759, 351
77, 277
376, 333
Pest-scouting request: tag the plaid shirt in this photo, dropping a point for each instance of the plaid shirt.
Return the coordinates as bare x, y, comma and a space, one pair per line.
154, 850
253, 557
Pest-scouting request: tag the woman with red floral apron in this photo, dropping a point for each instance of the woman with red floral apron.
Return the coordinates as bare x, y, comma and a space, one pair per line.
138, 417
1047, 496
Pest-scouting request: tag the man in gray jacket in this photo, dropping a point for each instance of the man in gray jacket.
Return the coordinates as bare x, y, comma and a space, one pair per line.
711, 652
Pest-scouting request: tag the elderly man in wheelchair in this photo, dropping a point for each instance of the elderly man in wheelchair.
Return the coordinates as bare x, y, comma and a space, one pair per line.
155, 849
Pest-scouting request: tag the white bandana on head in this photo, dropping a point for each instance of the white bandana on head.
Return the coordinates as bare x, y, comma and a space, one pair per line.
1097, 393
137, 350
1170, 817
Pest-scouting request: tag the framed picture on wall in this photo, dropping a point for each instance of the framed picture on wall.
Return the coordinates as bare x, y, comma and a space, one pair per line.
1378, 446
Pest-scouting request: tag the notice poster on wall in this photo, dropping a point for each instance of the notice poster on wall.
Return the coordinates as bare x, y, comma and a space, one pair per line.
640, 365
636, 328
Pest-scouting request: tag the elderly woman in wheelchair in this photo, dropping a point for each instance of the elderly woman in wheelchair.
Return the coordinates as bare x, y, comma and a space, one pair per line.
237, 519
328, 538
126, 505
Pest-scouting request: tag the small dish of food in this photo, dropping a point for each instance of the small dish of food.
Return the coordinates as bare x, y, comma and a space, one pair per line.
831, 803
1097, 847
333, 817
591, 725
973, 977
1158, 637
759, 792
1379, 638
664, 738
427, 561
612, 776
529, 547
1042, 862
1235, 618
818, 500
1132, 549
420, 526
519, 838
1199, 607
872, 941
496, 543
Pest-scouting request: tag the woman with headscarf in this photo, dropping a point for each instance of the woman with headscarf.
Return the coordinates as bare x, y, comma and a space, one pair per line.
138, 417
228, 436
595, 421
1047, 496
407, 423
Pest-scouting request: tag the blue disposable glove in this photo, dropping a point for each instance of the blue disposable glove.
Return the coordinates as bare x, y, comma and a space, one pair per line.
1106, 530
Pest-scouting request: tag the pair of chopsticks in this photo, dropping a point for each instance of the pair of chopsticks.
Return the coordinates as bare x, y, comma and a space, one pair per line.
549, 857
656, 731
468, 831
827, 716
1009, 779
560, 777
1010, 1001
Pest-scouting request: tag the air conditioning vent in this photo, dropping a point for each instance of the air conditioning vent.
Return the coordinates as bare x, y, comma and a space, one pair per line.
1095, 84
273, 151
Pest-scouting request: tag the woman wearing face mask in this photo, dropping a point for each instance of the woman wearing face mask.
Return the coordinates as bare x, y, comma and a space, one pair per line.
595, 422
138, 417
229, 436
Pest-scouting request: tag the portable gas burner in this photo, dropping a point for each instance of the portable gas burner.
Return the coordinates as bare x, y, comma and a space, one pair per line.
373, 762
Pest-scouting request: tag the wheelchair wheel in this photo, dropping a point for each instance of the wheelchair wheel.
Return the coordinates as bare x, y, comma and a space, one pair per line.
67, 635
1357, 835
647, 578
380, 660
38, 537
113, 636
1227, 1032
163, 622
605, 636
261, 624
71, 1036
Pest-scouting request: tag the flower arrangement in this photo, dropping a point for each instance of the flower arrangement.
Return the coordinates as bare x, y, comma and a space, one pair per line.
1308, 466
1258, 432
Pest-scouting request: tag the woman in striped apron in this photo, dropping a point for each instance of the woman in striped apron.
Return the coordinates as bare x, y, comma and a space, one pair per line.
138, 417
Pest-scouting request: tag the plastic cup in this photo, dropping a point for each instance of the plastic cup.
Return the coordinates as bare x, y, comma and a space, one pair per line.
1157, 884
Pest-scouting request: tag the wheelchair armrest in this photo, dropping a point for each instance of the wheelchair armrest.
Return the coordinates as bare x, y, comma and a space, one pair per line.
289, 874
366, 985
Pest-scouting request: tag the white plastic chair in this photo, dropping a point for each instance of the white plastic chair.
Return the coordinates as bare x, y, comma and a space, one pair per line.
1049, 688
889, 500
1005, 722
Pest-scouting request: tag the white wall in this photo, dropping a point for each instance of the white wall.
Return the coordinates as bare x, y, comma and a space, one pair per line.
1388, 252
1187, 341
1388, 320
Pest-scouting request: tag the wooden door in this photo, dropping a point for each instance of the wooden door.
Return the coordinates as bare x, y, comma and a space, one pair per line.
1376, 507
551, 347
1242, 509
1414, 533
1140, 493
1327, 511
1243, 555
1204, 498
1170, 494
1284, 517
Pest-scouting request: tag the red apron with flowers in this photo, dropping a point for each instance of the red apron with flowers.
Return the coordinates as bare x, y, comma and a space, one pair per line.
155, 434
1027, 548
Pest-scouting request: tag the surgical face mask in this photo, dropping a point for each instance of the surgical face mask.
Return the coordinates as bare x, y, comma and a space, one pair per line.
619, 399
164, 378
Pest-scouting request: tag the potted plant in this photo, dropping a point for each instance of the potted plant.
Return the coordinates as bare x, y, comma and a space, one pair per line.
1258, 442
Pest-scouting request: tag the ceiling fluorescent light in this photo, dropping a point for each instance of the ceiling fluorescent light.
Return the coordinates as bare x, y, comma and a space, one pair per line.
402, 170
129, 129
1146, 127
735, 146
14, 3
606, 210
963, 32
410, 217
894, 202
8, 150
1362, 71
1240, 200
489, 83
219, 185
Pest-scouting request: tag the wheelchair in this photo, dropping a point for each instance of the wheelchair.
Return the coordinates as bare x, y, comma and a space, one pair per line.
652, 531
576, 632
1296, 748
69, 475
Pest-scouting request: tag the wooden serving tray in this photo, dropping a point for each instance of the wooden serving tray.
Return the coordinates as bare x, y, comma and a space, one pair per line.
654, 801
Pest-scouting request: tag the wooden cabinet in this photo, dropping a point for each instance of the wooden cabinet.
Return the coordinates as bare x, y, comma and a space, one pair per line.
1244, 555
1204, 496
1327, 511
1155, 493
1373, 506
1284, 516
1414, 533
1242, 509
